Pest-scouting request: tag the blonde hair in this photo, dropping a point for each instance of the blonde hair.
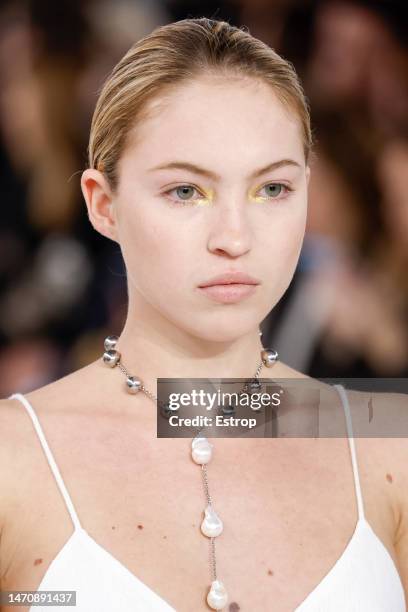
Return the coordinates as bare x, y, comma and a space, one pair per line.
174, 54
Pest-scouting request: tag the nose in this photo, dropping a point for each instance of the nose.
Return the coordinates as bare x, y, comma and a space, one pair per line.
230, 232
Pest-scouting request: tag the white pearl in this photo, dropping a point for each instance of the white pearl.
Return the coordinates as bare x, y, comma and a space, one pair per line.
212, 525
198, 440
201, 450
217, 596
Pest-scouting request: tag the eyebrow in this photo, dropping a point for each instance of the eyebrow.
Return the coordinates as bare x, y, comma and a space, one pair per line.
180, 165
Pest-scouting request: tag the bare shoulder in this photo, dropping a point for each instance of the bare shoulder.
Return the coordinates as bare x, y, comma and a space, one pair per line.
18, 444
393, 416
57, 406
380, 423
71, 390
16, 452
84, 387
380, 429
13, 428
383, 419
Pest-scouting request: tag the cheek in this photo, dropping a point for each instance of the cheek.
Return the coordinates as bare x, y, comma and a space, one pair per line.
284, 226
280, 245
158, 255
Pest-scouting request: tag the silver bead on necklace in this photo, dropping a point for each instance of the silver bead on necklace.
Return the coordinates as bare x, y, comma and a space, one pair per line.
201, 454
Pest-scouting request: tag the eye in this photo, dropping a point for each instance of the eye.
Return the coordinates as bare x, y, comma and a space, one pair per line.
274, 190
183, 194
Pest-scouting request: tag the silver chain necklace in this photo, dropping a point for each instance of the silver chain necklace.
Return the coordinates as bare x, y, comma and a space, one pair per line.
201, 454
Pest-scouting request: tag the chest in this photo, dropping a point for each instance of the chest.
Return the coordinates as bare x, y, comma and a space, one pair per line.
288, 509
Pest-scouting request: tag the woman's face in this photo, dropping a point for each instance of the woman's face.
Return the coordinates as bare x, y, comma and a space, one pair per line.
213, 212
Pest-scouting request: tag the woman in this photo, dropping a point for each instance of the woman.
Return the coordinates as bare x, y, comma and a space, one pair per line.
199, 154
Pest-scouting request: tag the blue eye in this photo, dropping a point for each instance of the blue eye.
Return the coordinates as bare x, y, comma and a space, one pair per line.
185, 191
276, 190
182, 190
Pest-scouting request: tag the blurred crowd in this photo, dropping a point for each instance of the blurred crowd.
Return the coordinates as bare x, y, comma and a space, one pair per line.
63, 286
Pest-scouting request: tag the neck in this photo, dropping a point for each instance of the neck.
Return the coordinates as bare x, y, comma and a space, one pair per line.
148, 352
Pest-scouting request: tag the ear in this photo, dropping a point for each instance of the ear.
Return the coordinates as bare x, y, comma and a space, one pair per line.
99, 202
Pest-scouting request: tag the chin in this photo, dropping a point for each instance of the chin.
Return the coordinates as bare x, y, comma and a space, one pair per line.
224, 328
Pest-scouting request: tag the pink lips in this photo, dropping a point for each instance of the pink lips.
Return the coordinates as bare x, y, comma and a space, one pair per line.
229, 288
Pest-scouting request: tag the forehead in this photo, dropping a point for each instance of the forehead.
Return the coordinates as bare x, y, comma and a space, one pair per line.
219, 121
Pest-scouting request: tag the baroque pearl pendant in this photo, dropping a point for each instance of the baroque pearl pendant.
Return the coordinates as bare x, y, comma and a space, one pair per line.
201, 450
217, 596
212, 525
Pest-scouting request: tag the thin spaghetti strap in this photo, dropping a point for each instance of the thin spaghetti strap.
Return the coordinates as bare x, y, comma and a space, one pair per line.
50, 458
346, 406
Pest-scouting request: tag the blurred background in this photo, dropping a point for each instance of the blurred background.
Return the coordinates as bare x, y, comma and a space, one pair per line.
63, 286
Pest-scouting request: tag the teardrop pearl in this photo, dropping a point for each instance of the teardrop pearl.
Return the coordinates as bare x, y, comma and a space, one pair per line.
212, 525
217, 596
197, 440
201, 450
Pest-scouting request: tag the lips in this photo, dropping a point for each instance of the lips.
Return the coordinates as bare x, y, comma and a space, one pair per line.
230, 278
229, 288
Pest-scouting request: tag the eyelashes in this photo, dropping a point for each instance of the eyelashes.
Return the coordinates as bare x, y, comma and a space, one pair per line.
282, 190
204, 199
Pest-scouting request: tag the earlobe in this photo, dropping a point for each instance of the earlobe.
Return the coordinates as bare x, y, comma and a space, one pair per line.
99, 202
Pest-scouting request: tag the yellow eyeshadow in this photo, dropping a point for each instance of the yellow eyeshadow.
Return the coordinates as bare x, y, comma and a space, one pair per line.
209, 197
258, 199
